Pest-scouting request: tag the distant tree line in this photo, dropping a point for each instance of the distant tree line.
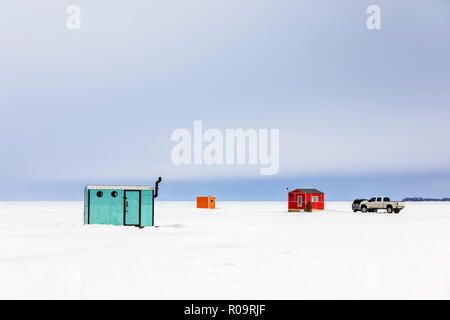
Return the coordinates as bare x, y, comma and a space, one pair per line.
425, 199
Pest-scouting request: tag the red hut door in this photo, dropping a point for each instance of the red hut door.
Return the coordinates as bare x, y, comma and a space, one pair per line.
300, 201
314, 201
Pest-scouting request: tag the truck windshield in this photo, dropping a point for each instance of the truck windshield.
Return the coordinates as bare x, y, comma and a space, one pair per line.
372, 200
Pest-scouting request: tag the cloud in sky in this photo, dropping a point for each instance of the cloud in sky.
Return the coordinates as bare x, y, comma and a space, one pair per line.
101, 103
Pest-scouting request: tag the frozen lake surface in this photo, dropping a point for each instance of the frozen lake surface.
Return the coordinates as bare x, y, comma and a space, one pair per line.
242, 250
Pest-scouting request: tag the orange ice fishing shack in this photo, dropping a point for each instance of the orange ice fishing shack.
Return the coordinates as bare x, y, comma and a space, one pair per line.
206, 202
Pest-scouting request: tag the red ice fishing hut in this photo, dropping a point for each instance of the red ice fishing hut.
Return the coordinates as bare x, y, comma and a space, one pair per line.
298, 199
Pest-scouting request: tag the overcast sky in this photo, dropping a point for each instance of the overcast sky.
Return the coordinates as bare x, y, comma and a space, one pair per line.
359, 111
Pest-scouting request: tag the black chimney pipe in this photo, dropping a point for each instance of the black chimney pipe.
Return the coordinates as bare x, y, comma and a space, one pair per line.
156, 187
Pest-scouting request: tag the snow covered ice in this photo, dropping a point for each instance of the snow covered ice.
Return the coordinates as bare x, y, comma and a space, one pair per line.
242, 250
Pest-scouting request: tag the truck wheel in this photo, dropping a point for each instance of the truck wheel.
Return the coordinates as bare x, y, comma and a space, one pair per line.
354, 210
389, 209
396, 210
364, 209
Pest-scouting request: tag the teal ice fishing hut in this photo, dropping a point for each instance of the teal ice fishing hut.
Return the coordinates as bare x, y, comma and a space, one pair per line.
120, 205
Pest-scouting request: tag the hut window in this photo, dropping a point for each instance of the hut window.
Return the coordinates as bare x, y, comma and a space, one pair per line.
99, 194
315, 199
299, 201
114, 194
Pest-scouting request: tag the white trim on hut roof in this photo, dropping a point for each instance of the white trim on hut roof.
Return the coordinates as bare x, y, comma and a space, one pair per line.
104, 187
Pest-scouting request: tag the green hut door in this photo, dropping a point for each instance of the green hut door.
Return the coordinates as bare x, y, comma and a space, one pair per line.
132, 208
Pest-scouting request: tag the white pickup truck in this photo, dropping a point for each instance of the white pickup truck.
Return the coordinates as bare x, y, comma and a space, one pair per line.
377, 203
